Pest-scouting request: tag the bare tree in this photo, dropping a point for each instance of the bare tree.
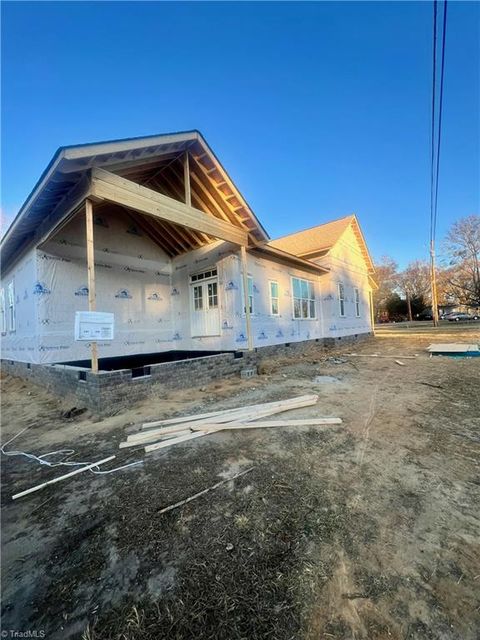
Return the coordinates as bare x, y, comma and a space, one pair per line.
414, 283
463, 246
386, 279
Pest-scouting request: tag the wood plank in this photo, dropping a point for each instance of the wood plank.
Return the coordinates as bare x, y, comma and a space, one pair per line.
172, 441
175, 192
311, 398
186, 179
248, 321
271, 423
202, 493
64, 477
375, 355
238, 416
108, 186
157, 423
91, 275
181, 431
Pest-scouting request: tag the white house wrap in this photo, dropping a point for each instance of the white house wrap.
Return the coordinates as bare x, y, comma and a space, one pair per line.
170, 286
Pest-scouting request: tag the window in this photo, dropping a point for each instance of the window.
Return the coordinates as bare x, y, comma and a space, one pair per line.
198, 298
303, 299
11, 306
211, 273
3, 324
212, 295
341, 298
274, 307
250, 293
357, 302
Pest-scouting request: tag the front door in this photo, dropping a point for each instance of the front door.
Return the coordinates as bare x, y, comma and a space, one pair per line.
204, 304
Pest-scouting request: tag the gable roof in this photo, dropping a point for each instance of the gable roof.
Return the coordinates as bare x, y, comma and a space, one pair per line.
318, 240
139, 159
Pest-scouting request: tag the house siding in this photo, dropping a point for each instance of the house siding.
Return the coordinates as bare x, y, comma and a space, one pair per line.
347, 266
150, 296
21, 343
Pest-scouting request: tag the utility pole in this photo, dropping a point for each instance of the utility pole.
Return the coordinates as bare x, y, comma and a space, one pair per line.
409, 306
433, 283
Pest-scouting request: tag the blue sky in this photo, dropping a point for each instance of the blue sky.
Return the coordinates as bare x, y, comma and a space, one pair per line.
316, 110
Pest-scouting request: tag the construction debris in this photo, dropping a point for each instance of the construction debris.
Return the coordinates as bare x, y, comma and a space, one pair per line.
201, 493
64, 477
457, 348
177, 430
376, 355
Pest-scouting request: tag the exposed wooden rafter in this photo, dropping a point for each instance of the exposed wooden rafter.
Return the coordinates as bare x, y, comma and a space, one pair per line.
113, 188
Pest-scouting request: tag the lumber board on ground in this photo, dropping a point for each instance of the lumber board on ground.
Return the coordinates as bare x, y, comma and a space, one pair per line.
272, 423
172, 441
143, 437
146, 440
201, 416
375, 355
64, 477
158, 423
244, 413
201, 493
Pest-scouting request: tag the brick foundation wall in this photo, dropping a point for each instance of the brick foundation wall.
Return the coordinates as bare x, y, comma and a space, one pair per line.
111, 391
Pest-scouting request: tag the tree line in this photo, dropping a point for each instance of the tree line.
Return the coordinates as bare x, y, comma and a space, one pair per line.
407, 292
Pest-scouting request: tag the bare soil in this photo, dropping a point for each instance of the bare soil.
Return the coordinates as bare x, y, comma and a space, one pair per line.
367, 530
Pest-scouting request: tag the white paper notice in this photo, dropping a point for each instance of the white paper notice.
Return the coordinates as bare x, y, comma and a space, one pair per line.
93, 325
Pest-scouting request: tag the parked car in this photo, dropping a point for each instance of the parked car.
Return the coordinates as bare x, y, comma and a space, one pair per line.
425, 315
457, 317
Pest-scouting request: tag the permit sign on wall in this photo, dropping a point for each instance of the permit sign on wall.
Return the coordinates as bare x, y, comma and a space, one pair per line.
93, 325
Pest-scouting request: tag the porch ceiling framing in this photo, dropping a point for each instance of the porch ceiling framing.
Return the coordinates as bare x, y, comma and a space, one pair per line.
106, 186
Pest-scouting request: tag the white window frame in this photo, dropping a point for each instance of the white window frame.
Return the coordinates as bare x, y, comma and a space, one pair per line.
356, 295
3, 314
341, 299
251, 301
11, 306
272, 298
308, 298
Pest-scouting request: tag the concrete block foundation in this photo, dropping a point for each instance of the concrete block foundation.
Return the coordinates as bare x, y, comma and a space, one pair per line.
108, 392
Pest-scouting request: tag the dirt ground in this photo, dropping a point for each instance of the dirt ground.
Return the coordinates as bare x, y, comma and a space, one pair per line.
365, 530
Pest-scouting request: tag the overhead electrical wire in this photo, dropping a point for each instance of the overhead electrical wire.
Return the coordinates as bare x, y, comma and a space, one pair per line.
436, 136
440, 110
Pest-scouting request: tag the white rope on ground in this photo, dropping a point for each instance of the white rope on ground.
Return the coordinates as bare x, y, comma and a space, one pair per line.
60, 463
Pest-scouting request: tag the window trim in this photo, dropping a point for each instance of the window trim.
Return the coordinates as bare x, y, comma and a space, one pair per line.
3, 313
310, 283
204, 274
272, 298
12, 320
356, 297
341, 300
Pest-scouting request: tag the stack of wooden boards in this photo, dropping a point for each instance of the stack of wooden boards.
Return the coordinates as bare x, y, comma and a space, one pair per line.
165, 433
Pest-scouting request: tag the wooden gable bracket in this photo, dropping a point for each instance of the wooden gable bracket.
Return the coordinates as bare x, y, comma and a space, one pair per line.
112, 188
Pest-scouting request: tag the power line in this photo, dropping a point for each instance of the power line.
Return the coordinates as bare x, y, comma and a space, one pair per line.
434, 83
440, 109
435, 150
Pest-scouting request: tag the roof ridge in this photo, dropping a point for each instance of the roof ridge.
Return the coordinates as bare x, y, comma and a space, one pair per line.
315, 226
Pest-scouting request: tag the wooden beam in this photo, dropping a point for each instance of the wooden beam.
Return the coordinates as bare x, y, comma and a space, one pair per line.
64, 477
199, 191
108, 186
245, 298
91, 273
220, 198
186, 179
176, 192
